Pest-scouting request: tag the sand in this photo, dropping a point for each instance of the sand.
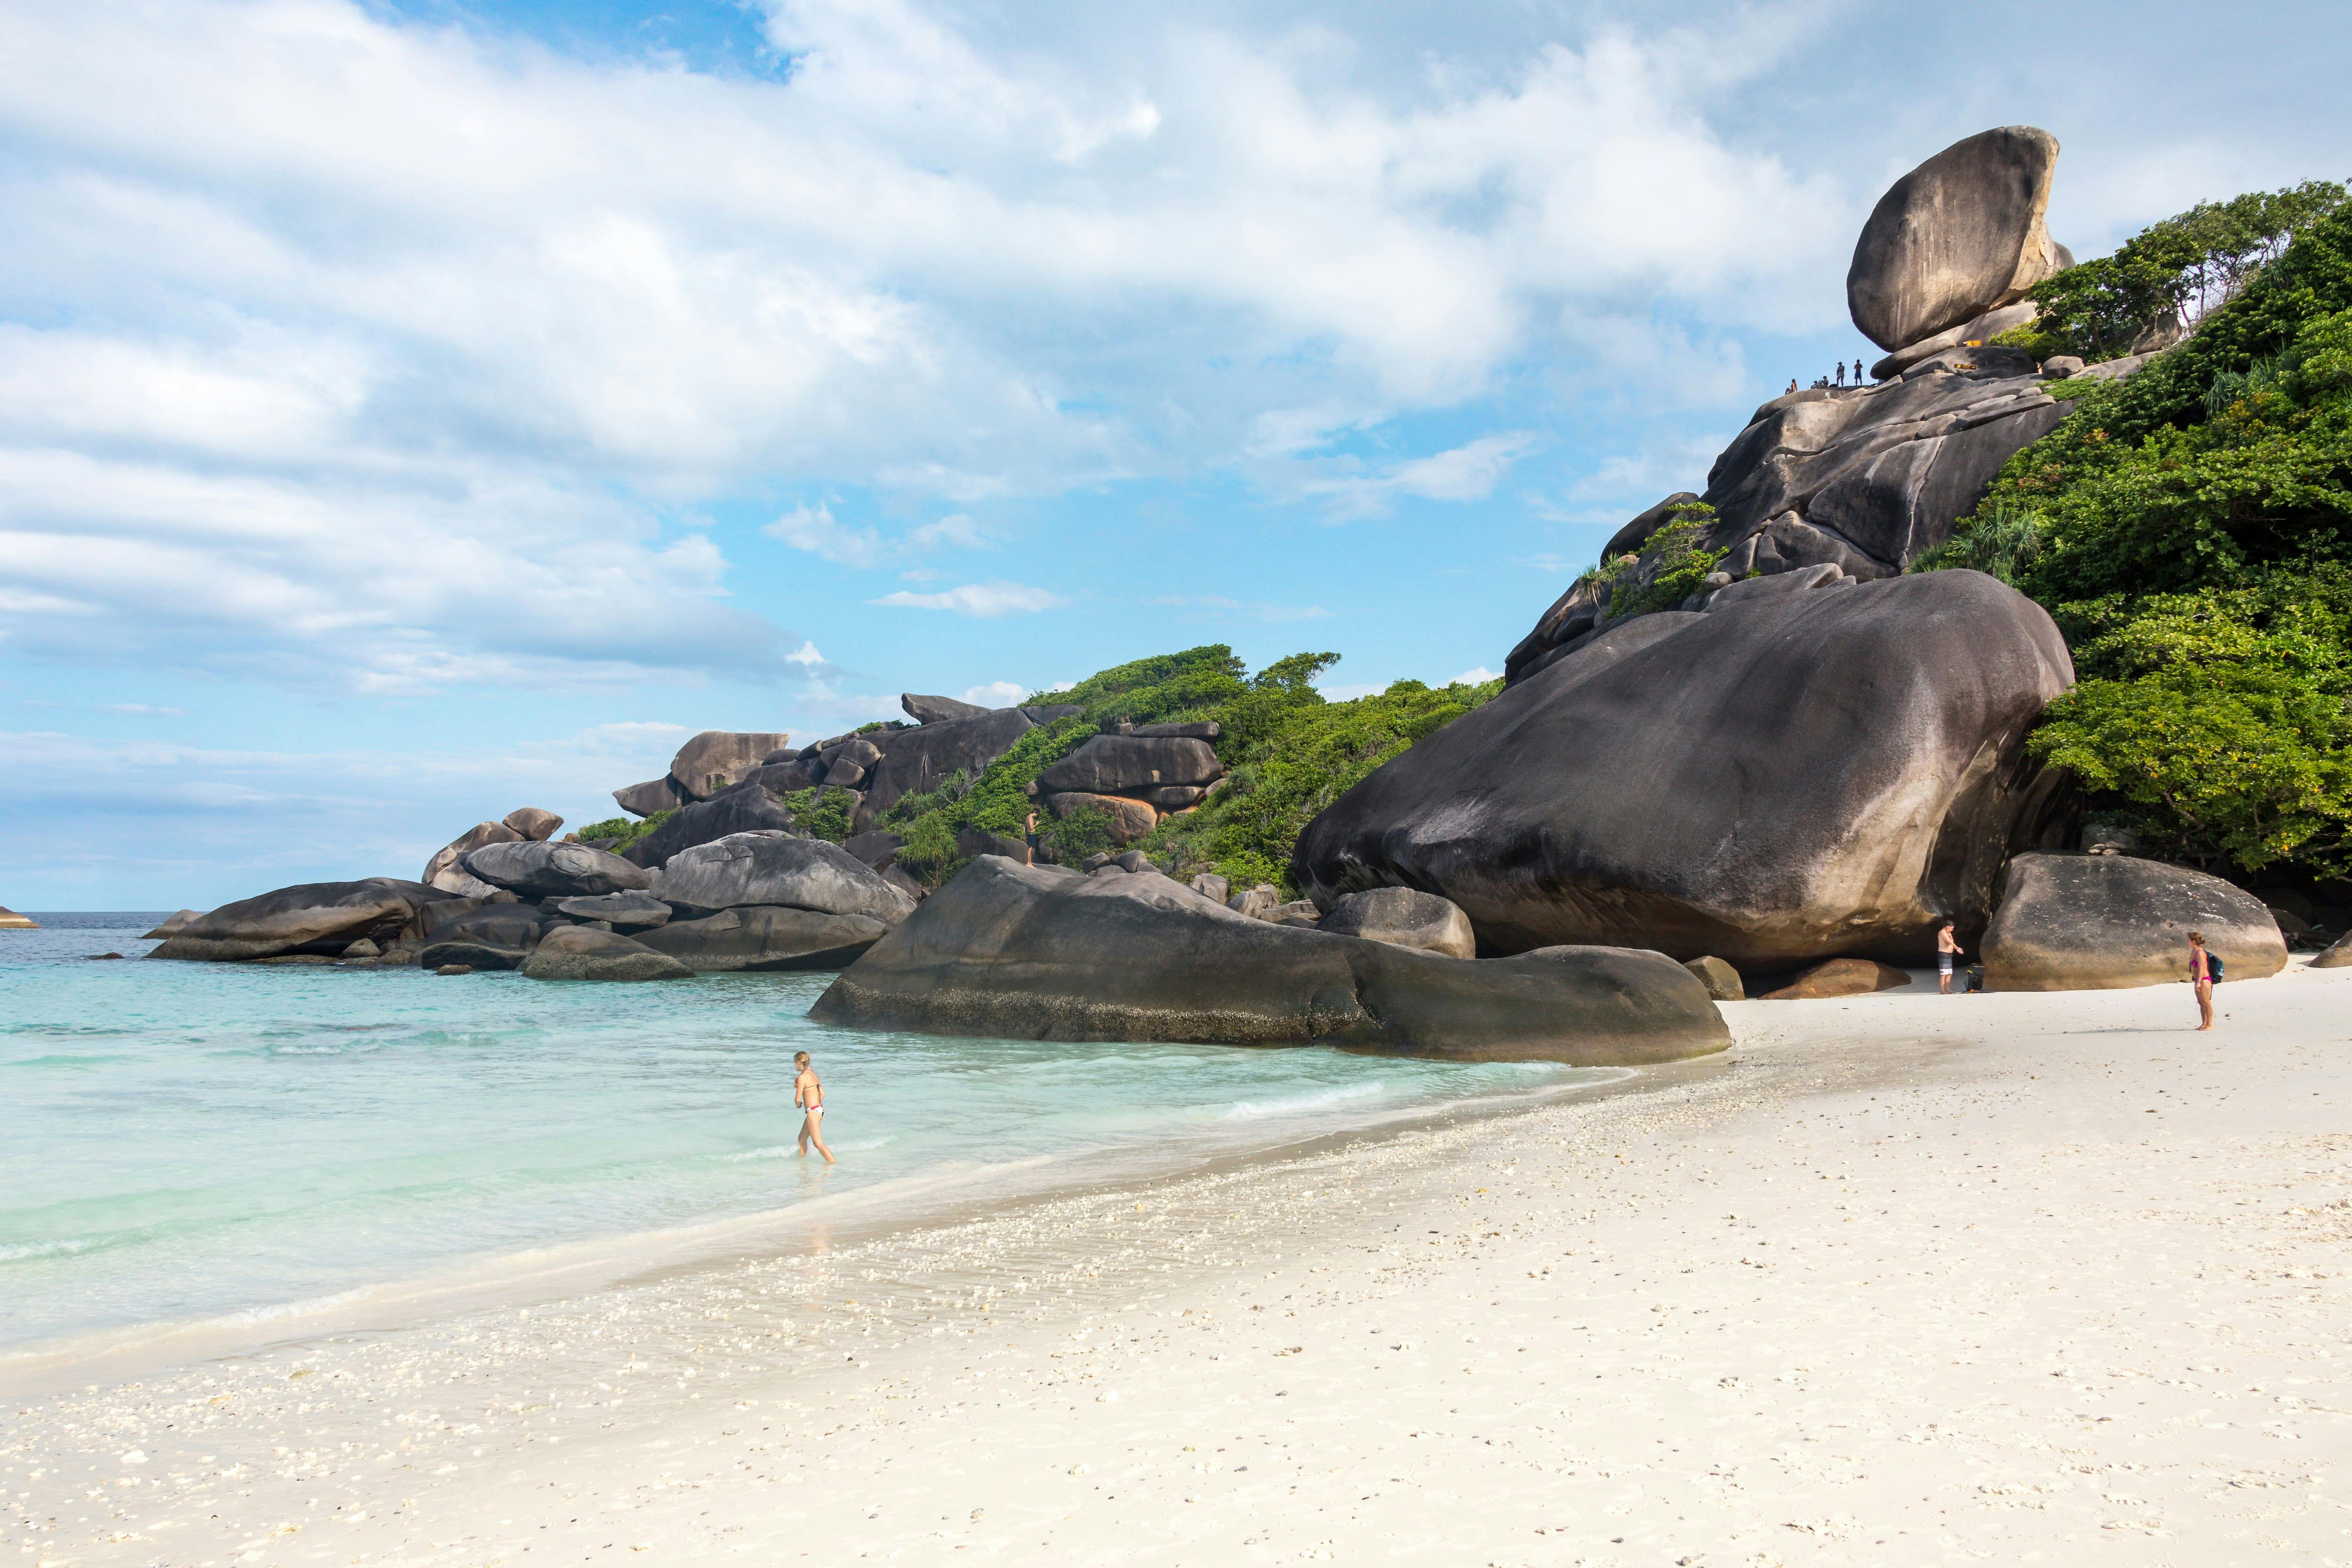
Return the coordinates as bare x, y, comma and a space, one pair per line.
1901, 1280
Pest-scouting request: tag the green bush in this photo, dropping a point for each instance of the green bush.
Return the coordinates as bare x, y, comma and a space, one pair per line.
623, 831
820, 813
1679, 565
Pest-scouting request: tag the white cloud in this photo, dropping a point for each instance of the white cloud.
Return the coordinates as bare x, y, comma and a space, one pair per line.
984, 599
1478, 677
996, 694
1349, 693
807, 657
816, 531
953, 528
1467, 472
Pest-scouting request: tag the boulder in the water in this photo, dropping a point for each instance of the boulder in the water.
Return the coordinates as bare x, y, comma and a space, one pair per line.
555, 870
2100, 923
581, 953
311, 920
1817, 773
486, 936
172, 927
752, 868
1957, 237
766, 937
1405, 917
1042, 953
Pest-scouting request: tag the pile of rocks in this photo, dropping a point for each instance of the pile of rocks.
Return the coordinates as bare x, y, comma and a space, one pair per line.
445, 870
713, 761
1863, 482
1134, 777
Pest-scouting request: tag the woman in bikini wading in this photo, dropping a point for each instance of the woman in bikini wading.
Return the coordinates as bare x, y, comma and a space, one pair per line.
809, 1095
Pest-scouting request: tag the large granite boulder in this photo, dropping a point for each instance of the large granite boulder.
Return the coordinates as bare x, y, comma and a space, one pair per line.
173, 925
627, 912
939, 709
583, 953
917, 761
11, 921
321, 918
1113, 764
1789, 778
2103, 923
2337, 955
717, 758
446, 870
555, 870
1840, 977
1956, 237
876, 850
652, 796
1405, 916
486, 936
1128, 819
745, 809
1042, 953
534, 822
766, 937
750, 868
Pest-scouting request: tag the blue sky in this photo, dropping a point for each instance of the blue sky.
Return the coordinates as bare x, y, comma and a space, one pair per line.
409, 412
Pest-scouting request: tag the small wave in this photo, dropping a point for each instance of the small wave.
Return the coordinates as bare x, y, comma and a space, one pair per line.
1251, 1109
292, 1308
18, 1251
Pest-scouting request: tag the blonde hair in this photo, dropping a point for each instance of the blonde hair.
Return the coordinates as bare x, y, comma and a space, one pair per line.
799, 1056
2198, 937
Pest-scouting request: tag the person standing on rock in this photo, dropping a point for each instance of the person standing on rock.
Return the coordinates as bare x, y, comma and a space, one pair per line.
1947, 948
1029, 831
1840, 381
1857, 370
809, 1095
2201, 965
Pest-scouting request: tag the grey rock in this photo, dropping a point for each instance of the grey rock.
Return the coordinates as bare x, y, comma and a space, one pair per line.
768, 868
1039, 953
1722, 980
2115, 368
1135, 860
972, 842
896, 876
717, 758
2099, 923
1298, 913
532, 822
1052, 712
1212, 885
1822, 772
777, 778
174, 925
749, 809
579, 953
555, 870
1980, 330
1256, 903
494, 936
919, 761
447, 871
1129, 819
937, 710
859, 751
1171, 797
1756, 590
651, 796
2059, 367
1405, 917
310, 918
843, 774
876, 849
631, 911
1114, 764
1957, 237
765, 938
2336, 956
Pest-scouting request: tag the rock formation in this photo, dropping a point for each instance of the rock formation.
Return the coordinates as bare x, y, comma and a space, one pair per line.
712, 760
754, 869
1404, 917
766, 937
314, 918
174, 924
1043, 952
11, 921
1789, 776
532, 870
2099, 923
746, 809
1957, 237
1133, 777
447, 869
532, 822
1840, 977
584, 953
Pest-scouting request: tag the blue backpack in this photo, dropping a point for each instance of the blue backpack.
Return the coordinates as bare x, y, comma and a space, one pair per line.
2213, 965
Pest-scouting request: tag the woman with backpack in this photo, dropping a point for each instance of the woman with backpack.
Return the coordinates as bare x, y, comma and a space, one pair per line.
2204, 972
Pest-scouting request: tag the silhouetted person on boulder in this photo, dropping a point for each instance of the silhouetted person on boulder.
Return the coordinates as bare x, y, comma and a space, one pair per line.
1857, 372
1840, 381
1792, 386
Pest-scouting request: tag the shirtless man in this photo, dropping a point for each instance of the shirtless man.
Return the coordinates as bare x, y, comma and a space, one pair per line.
1947, 948
1029, 828
809, 1095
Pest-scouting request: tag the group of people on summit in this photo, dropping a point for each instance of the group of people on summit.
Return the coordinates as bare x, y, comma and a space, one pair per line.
1836, 380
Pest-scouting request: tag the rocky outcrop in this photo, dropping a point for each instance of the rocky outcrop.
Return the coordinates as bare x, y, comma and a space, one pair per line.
171, 927
2101, 922
2337, 955
713, 761
745, 809
753, 868
532, 822
626, 912
312, 917
1840, 977
765, 938
555, 870
1128, 819
489, 936
1133, 776
11, 921
583, 953
1957, 237
653, 796
939, 709
1722, 980
1405, 918
874, 850
446, 870
1791, 777
1042, 953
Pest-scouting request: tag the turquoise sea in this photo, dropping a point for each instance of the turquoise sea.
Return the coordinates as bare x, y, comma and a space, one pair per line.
194, 1142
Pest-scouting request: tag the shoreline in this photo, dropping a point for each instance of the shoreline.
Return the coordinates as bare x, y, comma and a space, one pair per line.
1755, 1315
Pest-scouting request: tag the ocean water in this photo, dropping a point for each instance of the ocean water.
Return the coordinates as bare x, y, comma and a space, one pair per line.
194, 1142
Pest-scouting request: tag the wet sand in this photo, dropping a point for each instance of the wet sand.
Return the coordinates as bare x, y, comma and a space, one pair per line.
1902, 1279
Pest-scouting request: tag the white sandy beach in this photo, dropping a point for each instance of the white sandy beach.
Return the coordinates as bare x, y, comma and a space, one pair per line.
1901, 1280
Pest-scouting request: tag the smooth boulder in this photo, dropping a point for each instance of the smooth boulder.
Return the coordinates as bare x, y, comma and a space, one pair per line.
1819, 773
766, 937
173, 925
937, 710
2101, 922
1129, 820
1957, 237
555, 870
1404, 917
1042, 953
1109, 764
752, 868
1840, 977
630, 912
2337, 955
717, 758
534, 822
746, 809
311, 918
489, 936
917, 761
651, 798
583, 953
1722, 980
447, 869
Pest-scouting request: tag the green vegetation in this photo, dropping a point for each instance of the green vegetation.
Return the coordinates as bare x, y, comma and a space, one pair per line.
1288, 753
2190, 529
615, 834
1681, 565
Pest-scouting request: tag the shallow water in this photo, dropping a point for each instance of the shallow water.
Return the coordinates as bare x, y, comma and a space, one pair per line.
187, 1141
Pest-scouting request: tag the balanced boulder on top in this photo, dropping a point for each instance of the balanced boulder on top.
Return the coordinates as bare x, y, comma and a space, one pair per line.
554, 870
